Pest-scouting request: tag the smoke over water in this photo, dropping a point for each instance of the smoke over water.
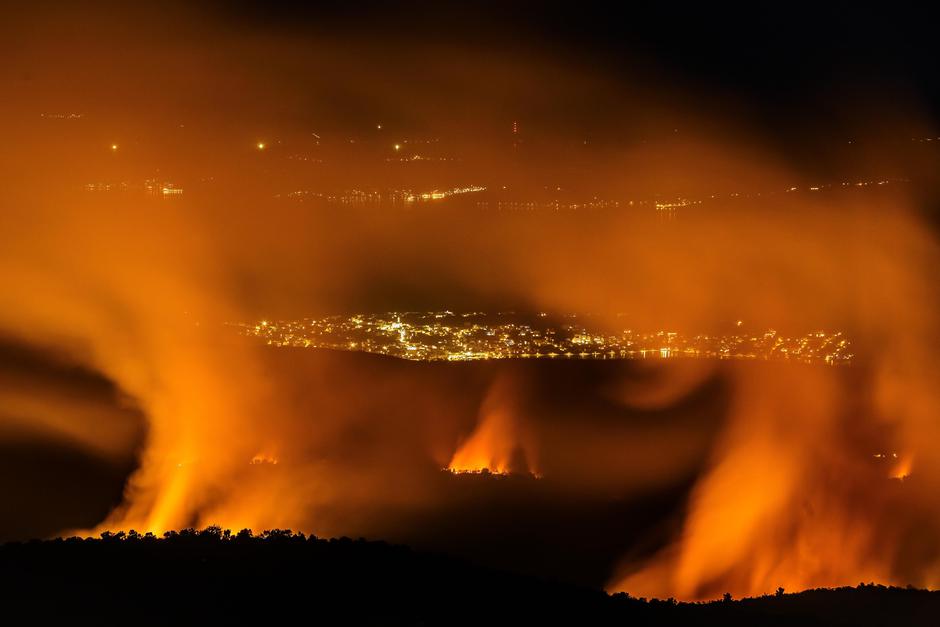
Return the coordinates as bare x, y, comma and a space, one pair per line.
809, 475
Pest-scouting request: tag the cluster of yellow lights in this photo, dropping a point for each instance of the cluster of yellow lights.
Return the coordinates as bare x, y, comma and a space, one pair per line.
475, 336
439, 195
548, 205
155, 187
669, 207
374, 197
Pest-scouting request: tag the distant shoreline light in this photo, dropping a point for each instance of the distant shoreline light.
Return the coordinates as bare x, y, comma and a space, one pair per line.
477, 336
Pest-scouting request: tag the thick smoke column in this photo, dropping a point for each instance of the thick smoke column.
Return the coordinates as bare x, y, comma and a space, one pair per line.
791, 497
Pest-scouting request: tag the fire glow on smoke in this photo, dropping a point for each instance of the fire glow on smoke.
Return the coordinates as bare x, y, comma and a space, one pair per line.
137, 288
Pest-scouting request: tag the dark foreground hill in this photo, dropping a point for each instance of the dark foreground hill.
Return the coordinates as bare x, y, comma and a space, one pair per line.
213, 577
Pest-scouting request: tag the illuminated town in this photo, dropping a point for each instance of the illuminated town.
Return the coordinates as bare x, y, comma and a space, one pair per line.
554, 198
374, 196
152, 187
476, 336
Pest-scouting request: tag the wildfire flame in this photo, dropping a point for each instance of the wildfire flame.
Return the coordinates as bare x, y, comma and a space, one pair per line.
261, 458
902, 469
501, 443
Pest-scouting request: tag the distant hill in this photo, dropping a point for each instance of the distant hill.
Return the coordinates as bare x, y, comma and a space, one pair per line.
215, 577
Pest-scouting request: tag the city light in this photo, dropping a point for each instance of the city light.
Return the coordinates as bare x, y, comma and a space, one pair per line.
477, 336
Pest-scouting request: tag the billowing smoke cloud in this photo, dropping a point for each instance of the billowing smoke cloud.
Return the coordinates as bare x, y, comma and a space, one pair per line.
788, 491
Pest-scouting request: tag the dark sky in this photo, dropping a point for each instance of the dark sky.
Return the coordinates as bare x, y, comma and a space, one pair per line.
775, 54
804, 76
794, 70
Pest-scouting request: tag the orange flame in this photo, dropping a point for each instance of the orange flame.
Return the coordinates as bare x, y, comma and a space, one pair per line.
902, 469
501, 443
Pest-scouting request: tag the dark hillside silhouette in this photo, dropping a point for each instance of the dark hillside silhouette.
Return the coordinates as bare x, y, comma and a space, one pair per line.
217, 577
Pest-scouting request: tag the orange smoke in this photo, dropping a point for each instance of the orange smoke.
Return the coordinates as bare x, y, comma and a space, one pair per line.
137, 290
789, 498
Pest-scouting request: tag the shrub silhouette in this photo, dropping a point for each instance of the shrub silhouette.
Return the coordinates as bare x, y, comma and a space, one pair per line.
214, 576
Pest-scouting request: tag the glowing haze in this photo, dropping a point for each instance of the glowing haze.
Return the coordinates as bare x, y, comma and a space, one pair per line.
787, 489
